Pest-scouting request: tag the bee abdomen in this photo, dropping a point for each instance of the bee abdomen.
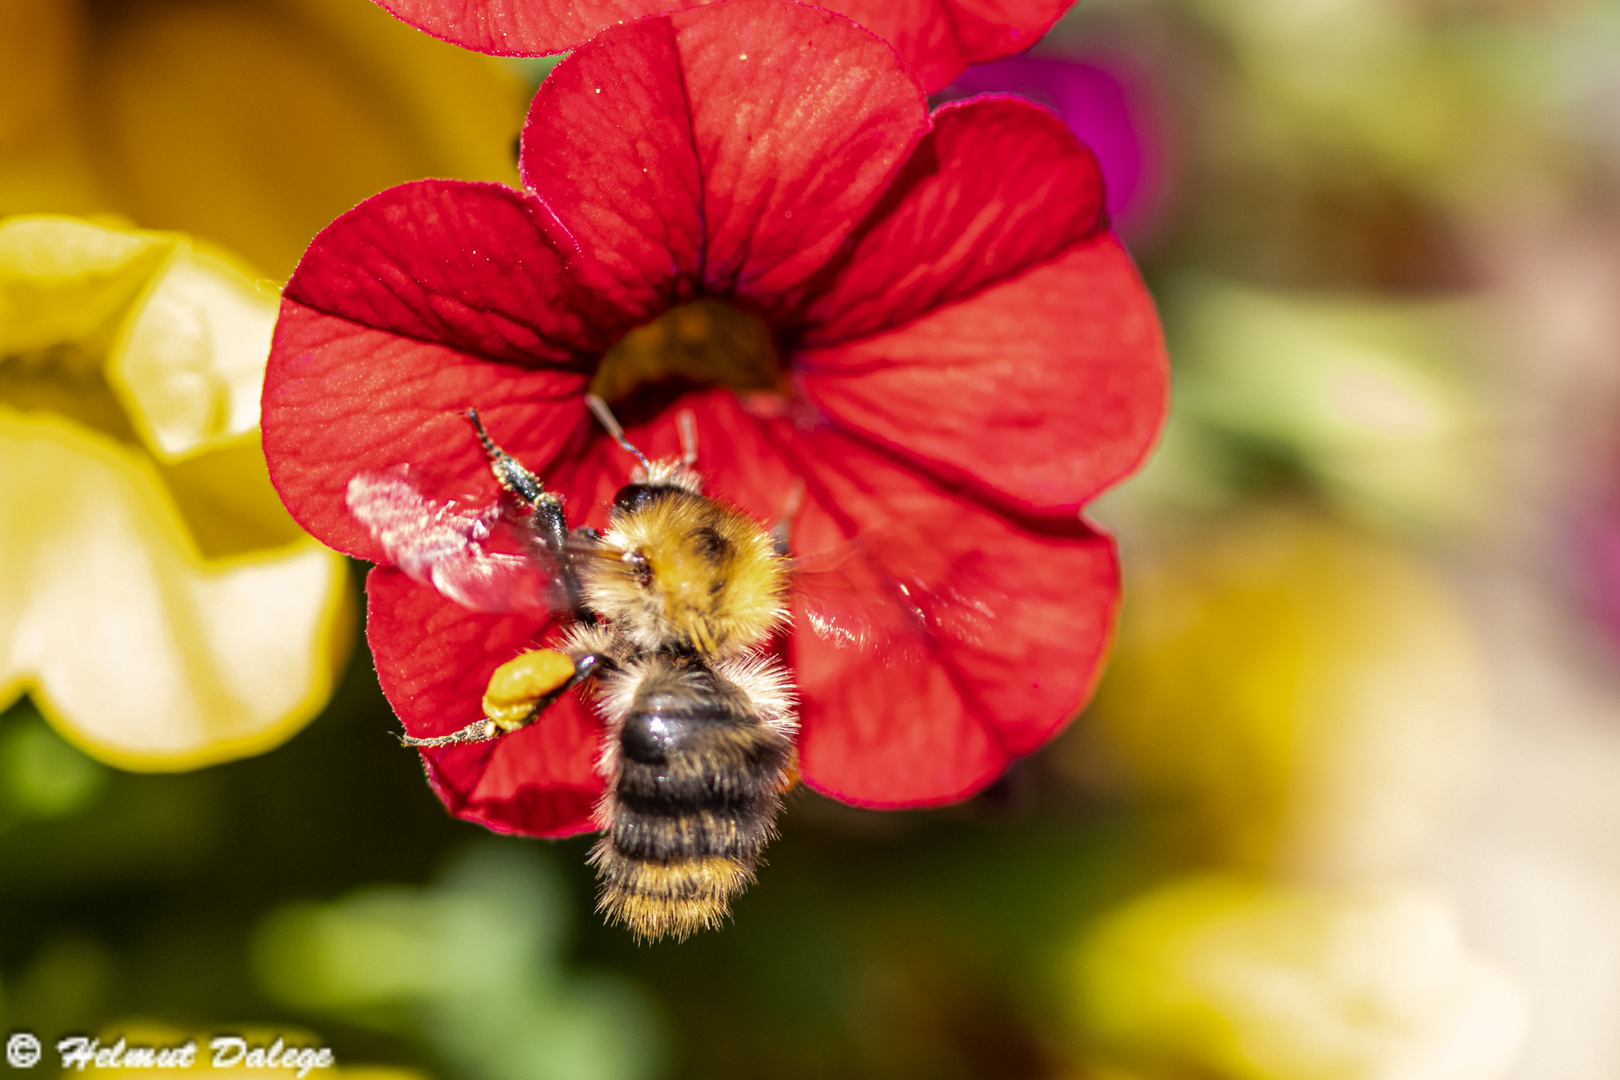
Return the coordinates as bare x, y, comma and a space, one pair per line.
651, 832
669, 897
699, 760
692, 807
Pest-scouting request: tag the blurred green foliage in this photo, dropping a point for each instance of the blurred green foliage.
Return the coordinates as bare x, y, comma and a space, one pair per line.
42, 776
1366, 403
473, 963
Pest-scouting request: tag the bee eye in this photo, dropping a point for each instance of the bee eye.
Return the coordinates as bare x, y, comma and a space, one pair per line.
639, 566
634, 497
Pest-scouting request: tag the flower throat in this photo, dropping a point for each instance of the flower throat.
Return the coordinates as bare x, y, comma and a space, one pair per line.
704, 342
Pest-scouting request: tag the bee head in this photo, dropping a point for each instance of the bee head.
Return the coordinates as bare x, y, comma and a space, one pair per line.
691, 573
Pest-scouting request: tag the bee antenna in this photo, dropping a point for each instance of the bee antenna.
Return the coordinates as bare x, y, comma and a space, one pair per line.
609, 424
687, 423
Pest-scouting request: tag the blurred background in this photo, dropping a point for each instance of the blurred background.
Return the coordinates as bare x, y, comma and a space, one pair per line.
1347, 805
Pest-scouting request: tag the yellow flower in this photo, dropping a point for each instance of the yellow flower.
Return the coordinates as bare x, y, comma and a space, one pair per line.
251, 124
155, 599
1231, 979
1298, 696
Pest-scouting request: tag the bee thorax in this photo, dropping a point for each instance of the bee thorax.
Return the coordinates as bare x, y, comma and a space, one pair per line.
694, 574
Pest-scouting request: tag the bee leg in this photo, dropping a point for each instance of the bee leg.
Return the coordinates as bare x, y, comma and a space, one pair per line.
482, 731
507, 469
519, 691
782, 531
546, 522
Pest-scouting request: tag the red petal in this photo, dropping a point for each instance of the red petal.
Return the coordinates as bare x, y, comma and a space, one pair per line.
386, 334
989, 29
523, 27
740, 143
999, 186
457, 263
434, 659
936, 38
608, 146
927, 728
1038, 392
341, 399
940, 725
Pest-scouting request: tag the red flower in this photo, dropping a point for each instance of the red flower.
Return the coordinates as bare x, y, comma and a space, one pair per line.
962, 343
935, 38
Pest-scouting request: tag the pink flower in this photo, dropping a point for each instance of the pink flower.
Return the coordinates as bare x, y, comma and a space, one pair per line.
955, 345
1106, 102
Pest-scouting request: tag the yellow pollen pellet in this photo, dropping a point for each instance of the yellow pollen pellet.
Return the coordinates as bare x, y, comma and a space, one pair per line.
517, 685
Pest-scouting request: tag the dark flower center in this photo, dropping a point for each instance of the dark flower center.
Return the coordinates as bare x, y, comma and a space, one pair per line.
703, 343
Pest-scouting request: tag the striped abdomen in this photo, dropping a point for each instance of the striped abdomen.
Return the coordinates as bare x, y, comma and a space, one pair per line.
692, 802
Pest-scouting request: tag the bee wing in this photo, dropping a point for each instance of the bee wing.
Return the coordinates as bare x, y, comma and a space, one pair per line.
454, 547
896, 596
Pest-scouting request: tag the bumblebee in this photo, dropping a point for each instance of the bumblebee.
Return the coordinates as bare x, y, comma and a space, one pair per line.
672, 607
